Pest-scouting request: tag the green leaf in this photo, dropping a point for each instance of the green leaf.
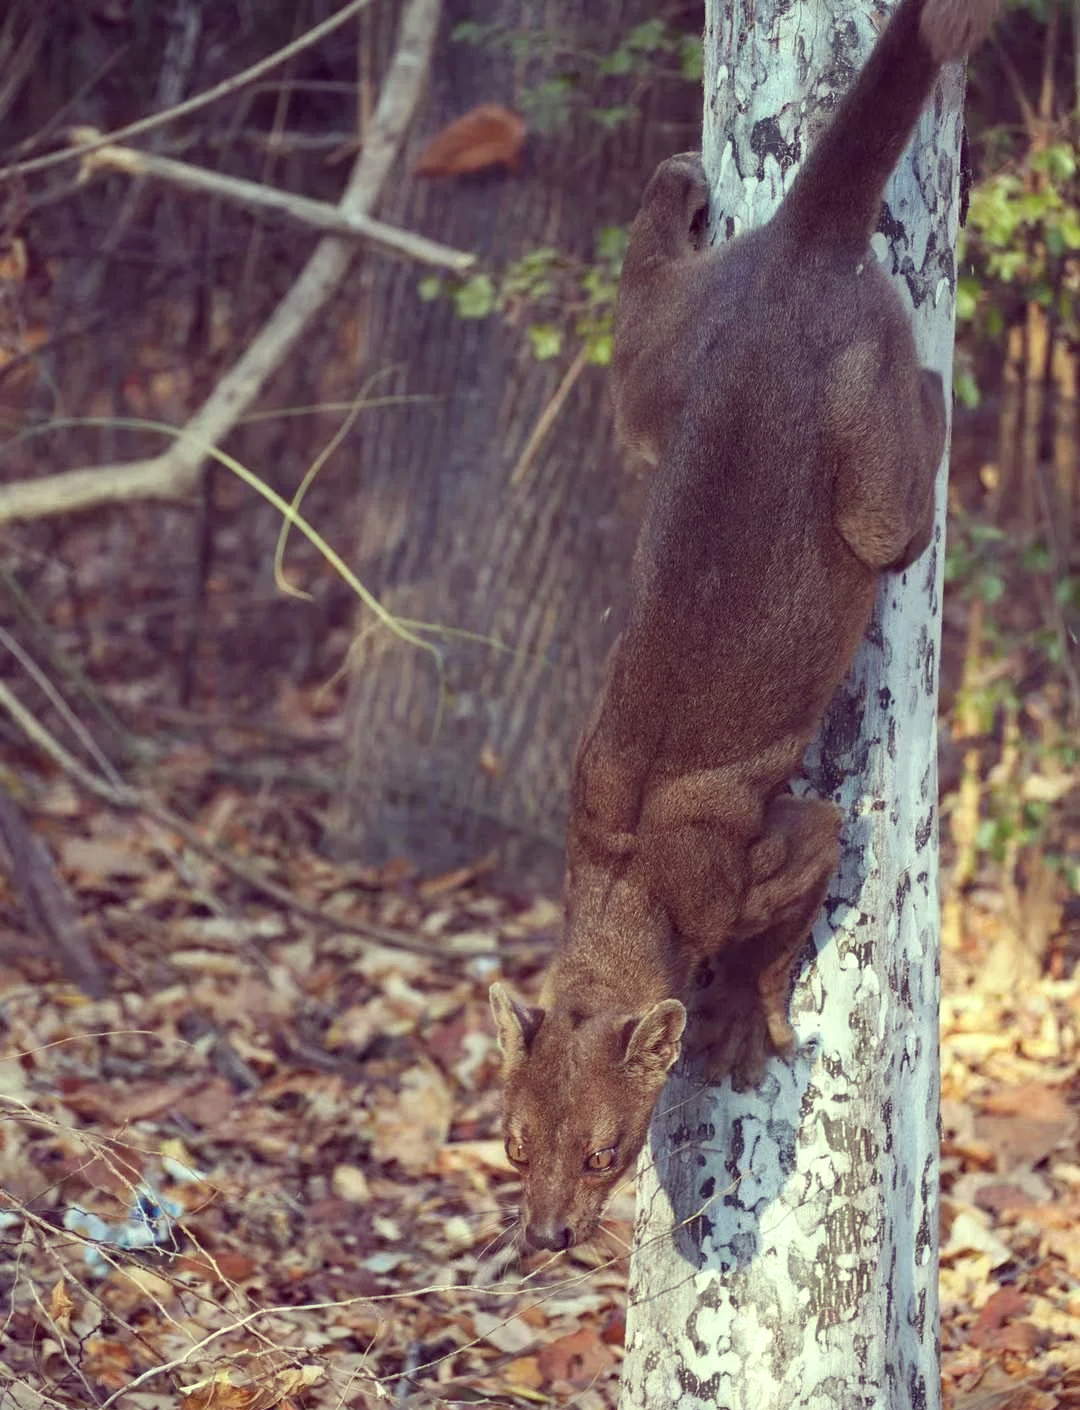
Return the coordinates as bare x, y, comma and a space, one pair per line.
691, 58
469, 32
599, 287
1050, 643
1070, 228
1036, 558
430, 288
1058, 162
617, 63
611, 118
547, 108
649, 37
967, 297
476, 297
611, 244
1067, 592
599, 350
546, 341
966, 390
991, 836
1008, 265
991, 588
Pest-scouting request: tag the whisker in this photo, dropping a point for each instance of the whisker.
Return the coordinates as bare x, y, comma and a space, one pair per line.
496, 1257
609, 1233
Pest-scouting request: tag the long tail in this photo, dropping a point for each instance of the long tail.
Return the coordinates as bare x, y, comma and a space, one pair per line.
836, 197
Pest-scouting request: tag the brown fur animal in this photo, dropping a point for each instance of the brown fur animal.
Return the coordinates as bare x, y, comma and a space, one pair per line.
774, 382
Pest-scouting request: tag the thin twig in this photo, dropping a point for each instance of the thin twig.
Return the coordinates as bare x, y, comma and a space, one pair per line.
1012, 77
547, 417
304, 209
221, 90
175, 472
60, 705
134, 800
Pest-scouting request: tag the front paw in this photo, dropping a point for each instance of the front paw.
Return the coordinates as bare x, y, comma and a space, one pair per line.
732, 1033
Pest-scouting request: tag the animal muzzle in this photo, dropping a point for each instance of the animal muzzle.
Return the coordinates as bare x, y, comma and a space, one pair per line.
550, 1234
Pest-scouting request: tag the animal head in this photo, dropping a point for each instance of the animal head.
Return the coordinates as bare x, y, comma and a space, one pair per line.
579, 1094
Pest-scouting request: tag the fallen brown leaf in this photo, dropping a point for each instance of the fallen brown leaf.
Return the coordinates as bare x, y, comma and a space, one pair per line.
118, 1107
524, 1371
997, 1390
412, 1126
92, 861
1000, 1307
488, 135
61, 1306
578, 1358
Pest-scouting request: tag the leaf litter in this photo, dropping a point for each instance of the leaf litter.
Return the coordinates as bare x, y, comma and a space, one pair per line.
266, 1169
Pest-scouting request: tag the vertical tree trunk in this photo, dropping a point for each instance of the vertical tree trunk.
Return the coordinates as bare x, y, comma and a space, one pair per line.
445, 770
786, 1249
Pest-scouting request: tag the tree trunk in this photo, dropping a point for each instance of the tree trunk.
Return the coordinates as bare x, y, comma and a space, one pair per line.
786, 1248
444, 770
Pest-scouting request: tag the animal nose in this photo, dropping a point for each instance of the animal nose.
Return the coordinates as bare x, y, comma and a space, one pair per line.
549, 1235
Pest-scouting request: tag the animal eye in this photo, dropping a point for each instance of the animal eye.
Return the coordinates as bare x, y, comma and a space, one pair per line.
601, 1160
515, 1151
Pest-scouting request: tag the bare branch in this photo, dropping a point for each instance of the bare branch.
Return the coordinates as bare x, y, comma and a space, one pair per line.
320, 214
201, 100
175, 473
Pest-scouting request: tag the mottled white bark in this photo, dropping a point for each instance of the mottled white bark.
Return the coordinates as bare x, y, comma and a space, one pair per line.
786, 1249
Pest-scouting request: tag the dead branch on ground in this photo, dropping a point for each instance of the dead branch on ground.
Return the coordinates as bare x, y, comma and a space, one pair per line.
175, 473
46, 900
130, 799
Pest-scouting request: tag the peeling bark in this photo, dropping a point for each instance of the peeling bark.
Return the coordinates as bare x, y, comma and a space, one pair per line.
786, 1248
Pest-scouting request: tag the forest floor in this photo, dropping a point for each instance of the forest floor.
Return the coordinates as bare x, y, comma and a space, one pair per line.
266, 1169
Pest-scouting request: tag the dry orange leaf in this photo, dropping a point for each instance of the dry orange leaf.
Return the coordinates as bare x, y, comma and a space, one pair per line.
108, 1362
578, 1358
524, 1371
435, 886
99, 1102
209, 1104
115, 1168
226, 1265
489, 135
14, 262
274, 1392
997, 1390
217, 1396
412, 1126
1025, 1124
1001, 1307
61, 1306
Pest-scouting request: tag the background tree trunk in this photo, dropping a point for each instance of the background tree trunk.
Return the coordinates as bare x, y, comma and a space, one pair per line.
445, 536
786, 1249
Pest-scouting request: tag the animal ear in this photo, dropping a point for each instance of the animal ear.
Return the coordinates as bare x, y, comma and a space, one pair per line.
653, 1044
516, 1024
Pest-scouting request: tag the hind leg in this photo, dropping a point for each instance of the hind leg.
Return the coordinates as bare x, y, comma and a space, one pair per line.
888, 423
742, 1019
932, 413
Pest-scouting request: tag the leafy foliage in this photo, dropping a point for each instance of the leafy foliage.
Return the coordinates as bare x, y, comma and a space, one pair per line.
646, 52
554, 296
1037, 760
1021, 241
